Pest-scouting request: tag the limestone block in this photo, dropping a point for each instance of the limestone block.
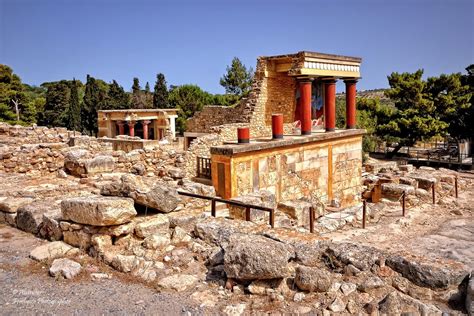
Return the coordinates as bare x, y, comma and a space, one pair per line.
157, 224
99, 210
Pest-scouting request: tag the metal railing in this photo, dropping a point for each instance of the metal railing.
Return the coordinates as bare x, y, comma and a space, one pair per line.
247, 206
204, 168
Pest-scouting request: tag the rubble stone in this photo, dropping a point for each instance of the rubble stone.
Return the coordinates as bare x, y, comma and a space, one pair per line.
52, 250
313, 279
65, 267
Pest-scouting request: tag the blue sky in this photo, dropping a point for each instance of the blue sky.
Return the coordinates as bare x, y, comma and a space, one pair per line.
193, 41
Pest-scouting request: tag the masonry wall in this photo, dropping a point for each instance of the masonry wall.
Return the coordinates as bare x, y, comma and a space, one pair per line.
324, 169
282, 91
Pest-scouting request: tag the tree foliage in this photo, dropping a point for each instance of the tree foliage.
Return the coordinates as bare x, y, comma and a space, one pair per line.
95, 98
160, 93
117, 98
238, 79
17, 104
188, 99
74, 110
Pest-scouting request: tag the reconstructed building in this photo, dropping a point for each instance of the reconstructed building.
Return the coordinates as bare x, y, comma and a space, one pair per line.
293, 149
144, 123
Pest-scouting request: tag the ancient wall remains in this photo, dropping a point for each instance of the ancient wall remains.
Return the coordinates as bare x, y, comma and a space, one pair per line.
327, 169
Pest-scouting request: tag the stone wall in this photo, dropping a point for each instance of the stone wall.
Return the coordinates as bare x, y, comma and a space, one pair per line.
325, 170
35, 134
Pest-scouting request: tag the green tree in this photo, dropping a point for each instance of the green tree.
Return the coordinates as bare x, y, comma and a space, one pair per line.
452, 100
140, 99
415, 116
15, 104
117, 97
56, 107
147, 87
95, 98
74, 110
238, 79
188, 99
160, 93
136, 85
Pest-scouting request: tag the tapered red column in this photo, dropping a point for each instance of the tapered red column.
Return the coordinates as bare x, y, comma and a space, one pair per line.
145, 129
305, 95
350, 103
131, 128
121, 127
330, 105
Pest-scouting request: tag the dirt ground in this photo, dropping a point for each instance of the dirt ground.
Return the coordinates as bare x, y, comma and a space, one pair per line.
27, 289
443, 230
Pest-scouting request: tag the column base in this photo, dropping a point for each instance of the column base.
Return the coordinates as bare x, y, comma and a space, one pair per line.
277, 136
350, 127
305, 132
330, 129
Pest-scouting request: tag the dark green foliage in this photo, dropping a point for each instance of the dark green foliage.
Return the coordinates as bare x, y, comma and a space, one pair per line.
136, 85
140, 99
55, 111
117, 98
147, 87
225, 99
188, 99
95, 98
17, 104
74, 110
238, 79
160, 93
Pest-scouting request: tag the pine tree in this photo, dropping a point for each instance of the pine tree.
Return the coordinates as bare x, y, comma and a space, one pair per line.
147, 87
238, 79
74, 112
136, 86
160, 93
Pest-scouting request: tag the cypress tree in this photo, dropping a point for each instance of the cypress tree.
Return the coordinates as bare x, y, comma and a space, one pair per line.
74, 113
160, 93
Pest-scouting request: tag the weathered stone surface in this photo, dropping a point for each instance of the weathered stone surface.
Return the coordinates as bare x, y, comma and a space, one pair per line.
262, 287
396, 303
118, 230
156, 241
313, 279
52, 250
125, 263
178, 282
470, 297
250, 257
99, 164
180, 236
160, 197
424, 181
309, 254
371, 282
65, 267
29, 217
394, 190
101, 243
157, 224
298, 210
98, 211
337, 305
362, 257
78, 238
261, 198
433, 276
347, 288
11, 205
217, 231
49, 227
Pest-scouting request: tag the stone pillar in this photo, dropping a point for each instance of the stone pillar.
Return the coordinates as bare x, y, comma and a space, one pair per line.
121, 127
145, 128
350, 103
131, 128
330, 105
305, 96
172, 126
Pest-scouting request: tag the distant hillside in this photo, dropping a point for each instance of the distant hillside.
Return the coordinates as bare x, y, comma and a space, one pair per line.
372, 94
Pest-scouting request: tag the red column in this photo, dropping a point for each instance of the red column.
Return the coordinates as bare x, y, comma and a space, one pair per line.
121, 127
305, 101
350, 103
243, 135
330, 105
145, 129
131, 128
277, 126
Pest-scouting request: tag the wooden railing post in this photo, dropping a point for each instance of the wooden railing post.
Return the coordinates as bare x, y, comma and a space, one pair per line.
456, 186
403, 204
311, 219
213, 208
433, 193
247, 214
364, 213
272, 218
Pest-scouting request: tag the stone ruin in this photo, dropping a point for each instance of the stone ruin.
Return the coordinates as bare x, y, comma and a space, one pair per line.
124, 210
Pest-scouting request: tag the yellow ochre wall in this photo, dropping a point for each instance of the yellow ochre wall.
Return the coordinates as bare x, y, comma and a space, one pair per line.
328, 169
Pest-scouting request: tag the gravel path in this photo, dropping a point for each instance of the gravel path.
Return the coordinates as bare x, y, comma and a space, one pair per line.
27, 289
